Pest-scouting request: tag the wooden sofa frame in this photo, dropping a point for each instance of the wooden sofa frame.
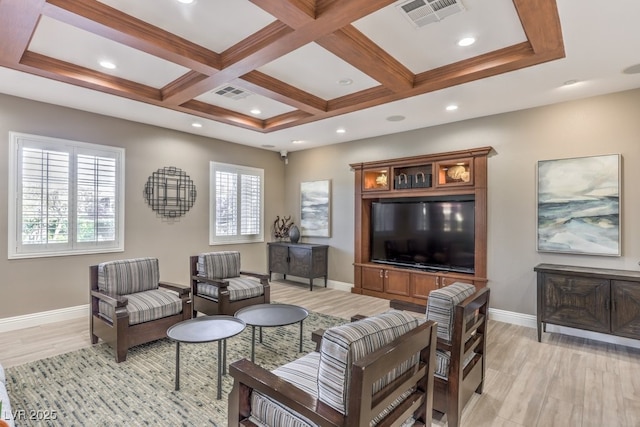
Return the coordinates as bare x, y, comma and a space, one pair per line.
118, 334
451, 395
207, 305
363, 404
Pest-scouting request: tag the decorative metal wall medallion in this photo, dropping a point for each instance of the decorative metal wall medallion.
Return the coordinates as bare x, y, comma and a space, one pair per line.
170, 192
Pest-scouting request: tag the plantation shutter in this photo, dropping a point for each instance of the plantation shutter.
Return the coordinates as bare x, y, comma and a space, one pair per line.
96, 199
44, 197
237, 204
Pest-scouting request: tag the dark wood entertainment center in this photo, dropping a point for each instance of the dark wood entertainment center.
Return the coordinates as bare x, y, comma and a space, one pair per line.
458, 173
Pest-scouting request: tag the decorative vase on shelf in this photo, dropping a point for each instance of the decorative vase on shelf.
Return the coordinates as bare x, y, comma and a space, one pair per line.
294, 234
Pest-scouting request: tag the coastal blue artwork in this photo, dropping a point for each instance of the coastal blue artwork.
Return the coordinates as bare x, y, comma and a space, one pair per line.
579, 205
315, 208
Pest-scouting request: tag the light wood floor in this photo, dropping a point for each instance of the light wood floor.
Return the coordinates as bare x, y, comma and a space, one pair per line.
563, 381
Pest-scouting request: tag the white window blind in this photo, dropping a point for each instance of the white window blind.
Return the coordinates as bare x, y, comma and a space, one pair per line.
65, 197
236, 204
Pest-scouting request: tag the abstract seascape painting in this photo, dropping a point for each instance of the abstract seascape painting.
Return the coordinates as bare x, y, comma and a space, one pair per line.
579, 205
315, 208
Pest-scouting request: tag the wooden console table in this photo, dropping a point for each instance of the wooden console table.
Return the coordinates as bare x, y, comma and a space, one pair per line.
594, 299
305, 260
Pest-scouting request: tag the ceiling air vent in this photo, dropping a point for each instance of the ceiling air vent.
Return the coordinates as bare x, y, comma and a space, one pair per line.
423, 12
232, 92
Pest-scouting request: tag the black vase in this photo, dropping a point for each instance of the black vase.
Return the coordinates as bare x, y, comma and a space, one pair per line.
294, 234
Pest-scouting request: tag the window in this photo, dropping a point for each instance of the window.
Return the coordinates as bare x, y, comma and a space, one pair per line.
236, 214
65, 197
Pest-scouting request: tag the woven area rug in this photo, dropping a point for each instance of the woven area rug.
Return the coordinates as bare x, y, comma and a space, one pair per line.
88, 388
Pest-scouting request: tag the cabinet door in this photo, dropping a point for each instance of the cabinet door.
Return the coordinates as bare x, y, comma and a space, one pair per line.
299, 261
422, 284
278, 255
625, 315
397, 282
373, 279
579, 302
319, 261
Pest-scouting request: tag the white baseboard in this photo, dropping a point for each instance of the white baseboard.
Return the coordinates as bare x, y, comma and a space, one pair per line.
44, 317
530, 321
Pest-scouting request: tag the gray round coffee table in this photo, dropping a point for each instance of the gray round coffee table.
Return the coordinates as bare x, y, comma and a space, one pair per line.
268, 316
206, 329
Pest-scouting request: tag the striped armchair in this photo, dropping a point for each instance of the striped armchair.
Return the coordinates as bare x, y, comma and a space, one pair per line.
461, 314
218, 285
378, 370
131, 306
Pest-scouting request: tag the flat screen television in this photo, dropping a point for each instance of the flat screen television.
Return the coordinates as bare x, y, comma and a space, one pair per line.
429, 234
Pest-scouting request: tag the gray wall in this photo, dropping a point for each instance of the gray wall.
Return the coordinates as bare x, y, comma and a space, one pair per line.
41, 284
601, 125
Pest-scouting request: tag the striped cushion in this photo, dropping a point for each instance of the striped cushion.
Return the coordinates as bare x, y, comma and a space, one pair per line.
303, 373
443, 359
240, 288
219, 265
128, 276
344, 345
441, 306
147, 306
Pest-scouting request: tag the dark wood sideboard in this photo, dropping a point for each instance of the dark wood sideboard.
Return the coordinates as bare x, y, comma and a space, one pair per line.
593, 299
305, 260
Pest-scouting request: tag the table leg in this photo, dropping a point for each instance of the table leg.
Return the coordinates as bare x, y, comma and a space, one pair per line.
260, 334
253, 342
177, 365
310, 284
301, 335
219, 369
224, 357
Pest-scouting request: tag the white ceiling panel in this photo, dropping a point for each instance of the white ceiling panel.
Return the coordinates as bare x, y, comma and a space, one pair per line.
319, 72
244, 105
213, 24
434, 45
82, 48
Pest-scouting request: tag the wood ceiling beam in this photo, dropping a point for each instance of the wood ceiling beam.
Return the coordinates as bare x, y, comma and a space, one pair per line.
105, 21
18, 20
352, 46
265, 85
541, 24
293, 13
239, 59
55, 69
219, 114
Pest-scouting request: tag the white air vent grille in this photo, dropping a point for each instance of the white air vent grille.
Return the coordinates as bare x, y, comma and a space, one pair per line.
423, 12
232, 92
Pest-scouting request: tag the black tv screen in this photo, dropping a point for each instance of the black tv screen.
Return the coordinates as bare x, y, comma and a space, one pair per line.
425, 234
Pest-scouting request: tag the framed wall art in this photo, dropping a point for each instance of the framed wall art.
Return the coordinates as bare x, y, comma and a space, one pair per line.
315, 208
579, 205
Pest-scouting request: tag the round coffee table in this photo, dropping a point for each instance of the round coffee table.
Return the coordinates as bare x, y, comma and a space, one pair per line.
268, 316
206, 329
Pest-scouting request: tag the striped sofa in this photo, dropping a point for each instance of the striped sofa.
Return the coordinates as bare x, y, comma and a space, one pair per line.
219, 286
131, 306
372, 371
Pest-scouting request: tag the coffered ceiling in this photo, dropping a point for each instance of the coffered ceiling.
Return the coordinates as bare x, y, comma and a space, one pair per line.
266, 72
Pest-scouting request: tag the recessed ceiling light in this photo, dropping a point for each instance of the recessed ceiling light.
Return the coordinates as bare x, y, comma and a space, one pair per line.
186, 1
467, 41
452, 107
397, 118
345, 82
107, 64
196, 125
341, 130
297, 141
267, 146
570, 82
256, 112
